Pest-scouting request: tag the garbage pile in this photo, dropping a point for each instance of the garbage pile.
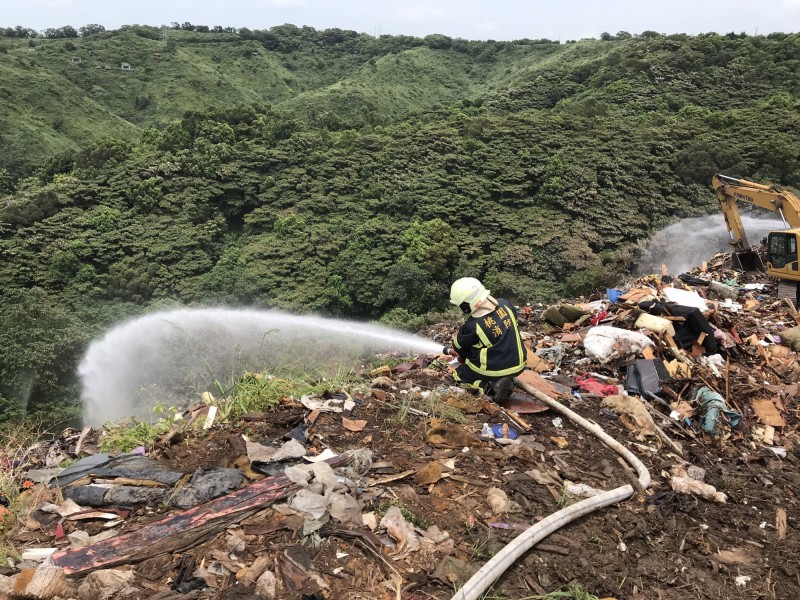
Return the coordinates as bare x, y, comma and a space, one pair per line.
711, 353
403, 486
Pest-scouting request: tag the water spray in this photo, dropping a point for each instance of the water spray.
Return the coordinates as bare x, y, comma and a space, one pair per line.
689, 242
171, 356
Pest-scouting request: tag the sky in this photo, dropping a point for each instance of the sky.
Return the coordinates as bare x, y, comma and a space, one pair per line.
471, 19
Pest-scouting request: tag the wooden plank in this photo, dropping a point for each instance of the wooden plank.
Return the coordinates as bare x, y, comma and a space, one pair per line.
536, 381
536, 362
176, 533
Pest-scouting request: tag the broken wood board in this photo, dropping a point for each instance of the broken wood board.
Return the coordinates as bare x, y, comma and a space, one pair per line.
524, 404
537, 382
177, 532
536, 362
636, 295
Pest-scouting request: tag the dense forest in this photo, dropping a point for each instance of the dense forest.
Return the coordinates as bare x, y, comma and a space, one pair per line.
345, 174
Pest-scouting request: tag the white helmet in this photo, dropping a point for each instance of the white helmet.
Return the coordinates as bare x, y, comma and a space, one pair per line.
467, 293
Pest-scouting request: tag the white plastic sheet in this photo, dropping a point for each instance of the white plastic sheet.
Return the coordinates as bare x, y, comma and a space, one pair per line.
606, 343
685, 298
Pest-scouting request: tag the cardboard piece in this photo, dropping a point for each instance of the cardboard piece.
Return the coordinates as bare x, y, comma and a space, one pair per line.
767, 413
571, 337
780, 351
536, 362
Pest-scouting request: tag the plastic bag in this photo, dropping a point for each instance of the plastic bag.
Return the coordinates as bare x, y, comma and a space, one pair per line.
606, 343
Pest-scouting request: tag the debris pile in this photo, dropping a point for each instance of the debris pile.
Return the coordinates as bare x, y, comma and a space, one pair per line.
403, 486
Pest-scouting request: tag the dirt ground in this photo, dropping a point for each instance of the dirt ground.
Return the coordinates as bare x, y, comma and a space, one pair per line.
657, 545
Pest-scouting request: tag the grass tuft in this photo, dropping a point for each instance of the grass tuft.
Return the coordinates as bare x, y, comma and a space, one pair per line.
16, 441
408, 515
573, 591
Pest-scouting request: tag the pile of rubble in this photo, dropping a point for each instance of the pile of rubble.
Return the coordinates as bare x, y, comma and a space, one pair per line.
710, 353
403, 487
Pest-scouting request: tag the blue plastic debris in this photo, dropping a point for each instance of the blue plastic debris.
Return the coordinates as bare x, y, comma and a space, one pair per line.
497, 430
714, 407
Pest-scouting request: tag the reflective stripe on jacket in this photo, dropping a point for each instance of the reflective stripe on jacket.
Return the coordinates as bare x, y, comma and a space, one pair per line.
491, 344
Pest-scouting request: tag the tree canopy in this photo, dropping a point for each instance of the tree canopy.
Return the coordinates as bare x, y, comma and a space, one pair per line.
379, 170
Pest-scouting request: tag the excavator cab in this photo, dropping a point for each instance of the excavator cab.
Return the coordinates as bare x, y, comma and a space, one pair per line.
782, 262
782, 254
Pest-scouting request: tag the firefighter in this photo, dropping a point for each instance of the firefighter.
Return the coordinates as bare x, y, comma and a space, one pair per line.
488, 345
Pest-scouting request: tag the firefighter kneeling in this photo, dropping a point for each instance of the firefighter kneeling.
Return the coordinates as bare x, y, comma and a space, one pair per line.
488, 345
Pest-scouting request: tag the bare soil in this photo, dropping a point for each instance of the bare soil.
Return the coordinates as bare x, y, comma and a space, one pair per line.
657, 545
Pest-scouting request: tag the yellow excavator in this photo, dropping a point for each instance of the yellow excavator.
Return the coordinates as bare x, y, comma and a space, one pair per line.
782, 245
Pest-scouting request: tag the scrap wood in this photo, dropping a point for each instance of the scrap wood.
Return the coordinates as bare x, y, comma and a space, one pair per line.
780, 523
537, 382
660, 432
291, 522
176, 533
516, 419
298, 571
136, 482
767, 413
468, 481
519, 403
793, 310
534, 361
81, 439
553, 549
349, 532
389, 478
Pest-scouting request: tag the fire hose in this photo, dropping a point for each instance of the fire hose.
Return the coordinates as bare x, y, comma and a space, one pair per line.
500, 562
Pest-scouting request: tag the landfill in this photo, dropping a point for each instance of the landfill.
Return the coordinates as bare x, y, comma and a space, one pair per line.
403, 487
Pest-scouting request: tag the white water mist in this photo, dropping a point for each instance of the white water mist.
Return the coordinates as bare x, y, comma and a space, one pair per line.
168, 357
688, 243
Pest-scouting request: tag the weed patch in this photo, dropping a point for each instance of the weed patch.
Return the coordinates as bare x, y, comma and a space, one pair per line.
409, 516
573, 591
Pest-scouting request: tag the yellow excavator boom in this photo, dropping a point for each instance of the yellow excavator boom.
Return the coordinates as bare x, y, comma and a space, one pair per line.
782, 246
731, 190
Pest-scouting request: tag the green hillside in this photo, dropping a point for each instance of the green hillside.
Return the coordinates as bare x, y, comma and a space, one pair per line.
348, 175
63, 93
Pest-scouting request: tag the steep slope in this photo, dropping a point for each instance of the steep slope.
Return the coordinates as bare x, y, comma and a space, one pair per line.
43, 113
418, 81
77, 91
538, 167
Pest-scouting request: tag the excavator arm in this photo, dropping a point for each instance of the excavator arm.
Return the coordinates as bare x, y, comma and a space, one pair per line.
730, 191
782, 256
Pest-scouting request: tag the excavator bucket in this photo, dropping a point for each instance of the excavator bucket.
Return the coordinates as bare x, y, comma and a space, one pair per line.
748, 261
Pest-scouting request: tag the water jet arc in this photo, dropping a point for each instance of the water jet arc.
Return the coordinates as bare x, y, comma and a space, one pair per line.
170, 356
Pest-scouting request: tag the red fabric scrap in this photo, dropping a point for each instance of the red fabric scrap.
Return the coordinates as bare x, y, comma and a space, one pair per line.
595, 386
